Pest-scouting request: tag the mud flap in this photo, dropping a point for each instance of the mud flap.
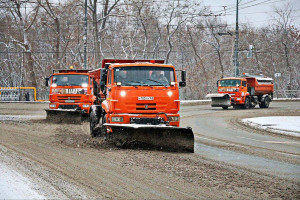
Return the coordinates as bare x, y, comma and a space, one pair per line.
220, 100
64, 116
166, 138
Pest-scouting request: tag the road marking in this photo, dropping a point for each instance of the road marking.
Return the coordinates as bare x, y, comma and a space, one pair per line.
290, 154
271, 142
249, 138
246, 146
231, 144
284, 142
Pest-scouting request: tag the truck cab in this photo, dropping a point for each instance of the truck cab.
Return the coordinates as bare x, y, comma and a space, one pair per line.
142, 93
140, 105
235, 87
70, 90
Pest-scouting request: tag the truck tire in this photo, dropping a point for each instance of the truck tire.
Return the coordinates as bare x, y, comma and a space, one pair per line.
225, 107
103, 128
265, 103
94, 120
247, 103
93, 123
252, 106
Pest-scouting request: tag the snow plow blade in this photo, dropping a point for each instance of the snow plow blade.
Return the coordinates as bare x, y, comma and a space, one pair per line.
219, 100
64, 116
166, 138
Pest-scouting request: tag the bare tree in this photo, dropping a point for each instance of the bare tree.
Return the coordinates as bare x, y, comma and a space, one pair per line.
46, 5
25, 21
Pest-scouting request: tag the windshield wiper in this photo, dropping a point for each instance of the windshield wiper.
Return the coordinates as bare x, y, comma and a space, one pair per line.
160, 82
148, 79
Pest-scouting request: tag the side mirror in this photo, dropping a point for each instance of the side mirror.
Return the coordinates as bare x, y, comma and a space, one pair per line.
183, 76
95, 87
103, 78
47, 82
182, 83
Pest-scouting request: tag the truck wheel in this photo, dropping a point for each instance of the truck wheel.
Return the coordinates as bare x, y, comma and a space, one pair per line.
265, 103
103, 128
261, 105
225, 107
252, 105
93, 124
247, 103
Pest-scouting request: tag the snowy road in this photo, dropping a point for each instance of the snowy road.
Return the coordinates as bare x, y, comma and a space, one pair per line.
14, 185
231, 160
220, 135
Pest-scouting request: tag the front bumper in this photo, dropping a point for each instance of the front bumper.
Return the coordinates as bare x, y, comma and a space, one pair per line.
150, 119
237, 100
80, 107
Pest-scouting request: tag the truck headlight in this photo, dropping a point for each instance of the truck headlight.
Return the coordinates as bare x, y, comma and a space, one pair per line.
117, 119
85, 105
173, 119
52, 105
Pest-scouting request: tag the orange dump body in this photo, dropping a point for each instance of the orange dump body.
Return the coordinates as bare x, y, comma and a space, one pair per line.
261, 86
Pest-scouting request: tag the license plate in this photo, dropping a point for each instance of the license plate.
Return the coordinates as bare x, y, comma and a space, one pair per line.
69, 101
146, 98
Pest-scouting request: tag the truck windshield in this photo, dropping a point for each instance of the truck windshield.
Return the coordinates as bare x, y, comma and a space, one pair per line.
230, 83
70, 80
143, 75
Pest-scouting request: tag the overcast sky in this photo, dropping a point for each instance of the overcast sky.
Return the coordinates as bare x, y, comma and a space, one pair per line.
255, 12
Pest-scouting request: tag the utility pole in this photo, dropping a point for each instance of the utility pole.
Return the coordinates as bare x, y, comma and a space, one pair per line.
236, 44
85, 34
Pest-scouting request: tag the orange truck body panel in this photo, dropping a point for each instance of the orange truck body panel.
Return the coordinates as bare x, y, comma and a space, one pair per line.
246, 91
239, 96
71, 97
260, 89
123, 101
140, 105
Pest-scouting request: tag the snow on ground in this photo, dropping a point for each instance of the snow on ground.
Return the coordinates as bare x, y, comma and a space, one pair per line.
19, 117
15, 186
194, 101
288, 125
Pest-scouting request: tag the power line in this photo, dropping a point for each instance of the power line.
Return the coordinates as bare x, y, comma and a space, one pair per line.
244, 5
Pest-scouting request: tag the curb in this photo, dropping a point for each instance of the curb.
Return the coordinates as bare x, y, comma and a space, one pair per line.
256, 126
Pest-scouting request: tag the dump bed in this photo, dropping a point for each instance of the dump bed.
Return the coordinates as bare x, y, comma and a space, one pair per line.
261, 85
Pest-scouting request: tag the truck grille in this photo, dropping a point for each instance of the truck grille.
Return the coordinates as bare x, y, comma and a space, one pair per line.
69, 107
152, 121
146, 106
63, 98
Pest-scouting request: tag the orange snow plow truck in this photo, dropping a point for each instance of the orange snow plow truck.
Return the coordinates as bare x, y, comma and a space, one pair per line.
139, 105
245, 92
71, 95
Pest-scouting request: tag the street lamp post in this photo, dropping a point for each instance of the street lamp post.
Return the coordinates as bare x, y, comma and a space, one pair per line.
85, 35
236, 44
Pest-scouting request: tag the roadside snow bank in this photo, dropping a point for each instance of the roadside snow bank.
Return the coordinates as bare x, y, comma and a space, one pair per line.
15, 186
287, 125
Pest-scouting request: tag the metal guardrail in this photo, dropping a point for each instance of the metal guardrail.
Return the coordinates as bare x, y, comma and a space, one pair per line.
287, 94
14, 93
